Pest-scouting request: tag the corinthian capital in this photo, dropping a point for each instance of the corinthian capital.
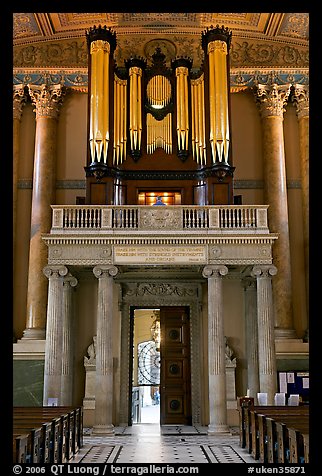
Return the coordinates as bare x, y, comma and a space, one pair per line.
19, 100
300, 99
272, 99
47, 99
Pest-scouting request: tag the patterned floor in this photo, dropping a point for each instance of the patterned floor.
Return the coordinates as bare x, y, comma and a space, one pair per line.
150, 443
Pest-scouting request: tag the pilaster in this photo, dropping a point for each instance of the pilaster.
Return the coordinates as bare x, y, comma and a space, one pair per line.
251, 343
104, 354
54, 333
216, 350
266, 341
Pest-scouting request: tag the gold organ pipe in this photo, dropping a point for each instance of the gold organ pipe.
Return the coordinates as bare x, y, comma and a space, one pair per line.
106, 137
92, 130
99, 119
185, 99
218, 51
135, 107
201, 116
182, 107
115, 118
139, 110
193, 120
212, 99
119, 147
124, 83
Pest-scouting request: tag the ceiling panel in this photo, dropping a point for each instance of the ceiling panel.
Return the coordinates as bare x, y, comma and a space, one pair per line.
37, 27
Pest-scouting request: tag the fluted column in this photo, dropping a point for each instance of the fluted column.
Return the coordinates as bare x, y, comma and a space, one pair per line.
266, 339
53, 347
271, 100
216, 350
251, 337
46, 100
301, 101
104, 352
67, 354
19, 100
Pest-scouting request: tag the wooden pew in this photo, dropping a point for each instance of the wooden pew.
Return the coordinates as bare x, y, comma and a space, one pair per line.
21, 442
283, 440
253, 436
47, 438
268, 442
68, 434
34, 441
243, 403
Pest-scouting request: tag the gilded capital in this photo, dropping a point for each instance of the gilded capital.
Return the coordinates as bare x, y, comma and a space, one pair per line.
300, 99
272, 99
19, 100
47, 99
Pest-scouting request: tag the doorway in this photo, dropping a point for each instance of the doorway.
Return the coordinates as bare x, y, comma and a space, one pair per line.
160, 376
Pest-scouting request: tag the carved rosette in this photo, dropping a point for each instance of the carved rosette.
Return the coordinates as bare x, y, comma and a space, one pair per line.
47, 99
301, 100
272, 99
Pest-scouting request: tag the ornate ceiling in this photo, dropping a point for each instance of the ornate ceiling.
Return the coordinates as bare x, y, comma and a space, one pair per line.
259, 40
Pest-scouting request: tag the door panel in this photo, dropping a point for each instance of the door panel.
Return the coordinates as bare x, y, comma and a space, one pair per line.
175, 386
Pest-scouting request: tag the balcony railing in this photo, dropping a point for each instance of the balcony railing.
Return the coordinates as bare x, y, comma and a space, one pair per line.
79, 219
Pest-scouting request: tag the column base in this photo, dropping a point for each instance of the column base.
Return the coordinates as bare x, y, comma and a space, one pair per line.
103, 430
34, 333
284, 333
215, 429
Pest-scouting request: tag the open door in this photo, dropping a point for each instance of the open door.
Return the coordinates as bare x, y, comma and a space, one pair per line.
175, 383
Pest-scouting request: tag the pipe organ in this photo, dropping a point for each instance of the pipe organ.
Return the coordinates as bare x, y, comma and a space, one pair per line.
159, 124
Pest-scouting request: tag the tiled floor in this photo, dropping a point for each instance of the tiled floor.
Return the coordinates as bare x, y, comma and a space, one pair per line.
152, 443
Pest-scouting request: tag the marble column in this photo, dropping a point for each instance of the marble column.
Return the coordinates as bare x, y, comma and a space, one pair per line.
251, 337
301, 100
216, 350
68, 332
104, 351
47, 100
19, 100
266, 339
271, 100
54, 333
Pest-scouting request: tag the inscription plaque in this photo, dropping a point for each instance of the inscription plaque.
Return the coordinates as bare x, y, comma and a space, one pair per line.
163, 254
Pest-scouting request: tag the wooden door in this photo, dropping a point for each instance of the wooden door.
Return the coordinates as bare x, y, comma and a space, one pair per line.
175, 384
